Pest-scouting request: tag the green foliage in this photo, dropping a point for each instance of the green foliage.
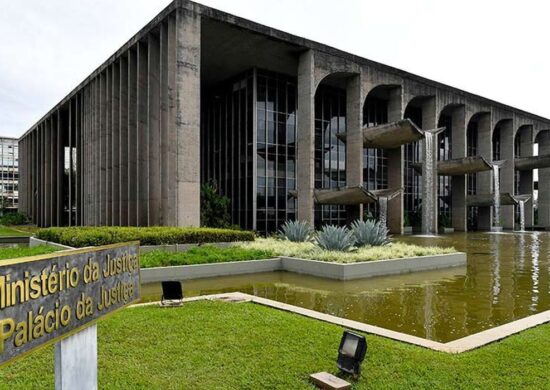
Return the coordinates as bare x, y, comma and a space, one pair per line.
202, 255
93, 236
214, 207
335, 238
13, 219
297, 231
13, 252
444, 221
370, 233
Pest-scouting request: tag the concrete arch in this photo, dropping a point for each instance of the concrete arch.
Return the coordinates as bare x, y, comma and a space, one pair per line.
335, 78
392, 93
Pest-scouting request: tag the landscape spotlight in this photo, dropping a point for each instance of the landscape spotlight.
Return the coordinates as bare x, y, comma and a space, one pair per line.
352, 351
172, 294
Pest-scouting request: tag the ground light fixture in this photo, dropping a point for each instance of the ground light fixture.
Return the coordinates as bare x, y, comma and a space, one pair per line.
172, 294
352, 351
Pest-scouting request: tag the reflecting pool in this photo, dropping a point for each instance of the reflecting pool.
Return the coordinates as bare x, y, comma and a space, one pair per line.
506, 278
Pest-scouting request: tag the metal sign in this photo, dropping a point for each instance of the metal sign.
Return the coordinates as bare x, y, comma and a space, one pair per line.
49, 297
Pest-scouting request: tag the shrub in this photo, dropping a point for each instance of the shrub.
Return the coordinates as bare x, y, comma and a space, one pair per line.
296, 231
370, 232
335, 238
14, 219
214, 207
94, 236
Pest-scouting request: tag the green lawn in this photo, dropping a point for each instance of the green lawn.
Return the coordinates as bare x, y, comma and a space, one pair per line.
9, 232
201, 255
217, 345
23, 251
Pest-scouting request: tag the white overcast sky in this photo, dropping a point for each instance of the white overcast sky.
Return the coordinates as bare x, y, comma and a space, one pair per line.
495, 48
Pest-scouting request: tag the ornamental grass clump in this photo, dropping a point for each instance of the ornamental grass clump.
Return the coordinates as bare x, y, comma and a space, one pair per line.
296, 231
370, 233
335, 238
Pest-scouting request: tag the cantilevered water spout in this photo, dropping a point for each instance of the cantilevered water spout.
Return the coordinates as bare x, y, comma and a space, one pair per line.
429, 182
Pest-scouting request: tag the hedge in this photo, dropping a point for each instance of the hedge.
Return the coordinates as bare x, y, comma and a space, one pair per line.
94, 236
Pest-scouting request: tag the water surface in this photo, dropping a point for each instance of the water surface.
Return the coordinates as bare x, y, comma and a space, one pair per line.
506, 278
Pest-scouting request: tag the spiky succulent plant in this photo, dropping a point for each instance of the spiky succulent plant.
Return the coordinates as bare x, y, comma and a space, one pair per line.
296, 231
335, 238
370, 232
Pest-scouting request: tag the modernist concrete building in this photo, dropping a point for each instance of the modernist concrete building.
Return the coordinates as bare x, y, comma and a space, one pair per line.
9, 171
286, 127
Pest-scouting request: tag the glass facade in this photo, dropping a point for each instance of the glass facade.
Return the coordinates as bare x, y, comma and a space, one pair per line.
444, 152
227, 145
255, 171
276, 150
375, 161
330, 152
412, 180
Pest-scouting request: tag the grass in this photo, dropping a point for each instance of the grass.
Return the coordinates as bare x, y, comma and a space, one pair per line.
201, 255
217, 345
24, 251
307, 250
6, 231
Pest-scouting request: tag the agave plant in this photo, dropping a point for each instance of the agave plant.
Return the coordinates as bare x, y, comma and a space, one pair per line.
296, 231
335, 238
370, 232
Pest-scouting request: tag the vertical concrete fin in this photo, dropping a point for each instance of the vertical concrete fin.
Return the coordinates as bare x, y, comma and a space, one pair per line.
153, 116
306, 136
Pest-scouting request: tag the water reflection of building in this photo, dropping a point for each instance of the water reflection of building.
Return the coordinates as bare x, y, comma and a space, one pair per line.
9, 167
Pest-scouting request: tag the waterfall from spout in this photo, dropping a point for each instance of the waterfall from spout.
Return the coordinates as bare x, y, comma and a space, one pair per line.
383, 211
428, 183
496, 194
521, 215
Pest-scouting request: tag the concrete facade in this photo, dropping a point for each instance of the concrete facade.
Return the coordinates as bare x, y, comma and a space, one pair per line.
125, 146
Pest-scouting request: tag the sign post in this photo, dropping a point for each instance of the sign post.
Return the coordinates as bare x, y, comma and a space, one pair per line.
58, 298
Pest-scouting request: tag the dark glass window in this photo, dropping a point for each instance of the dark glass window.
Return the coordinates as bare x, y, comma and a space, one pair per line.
330, 152
276, 113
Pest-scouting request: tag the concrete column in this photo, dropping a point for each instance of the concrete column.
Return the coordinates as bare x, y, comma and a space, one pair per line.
485, 179
115, 146
544, 182
47, 173
188, 85
102, 171
153, 117
142, 137
170, 136
132, 139
526, 177
305, 159
458, 193
57, 178
396, 166
507, 170
354, 142
123, 142
165, 182
70, 141
96, 187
